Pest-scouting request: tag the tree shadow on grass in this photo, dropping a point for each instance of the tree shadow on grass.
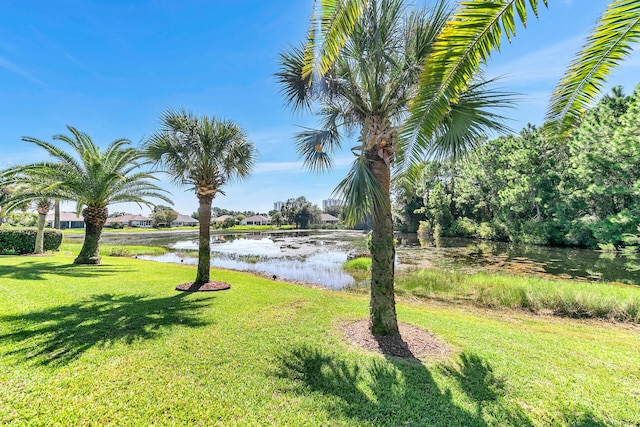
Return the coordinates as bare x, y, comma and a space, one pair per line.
35, 270
59, 335
477, 379
393, 392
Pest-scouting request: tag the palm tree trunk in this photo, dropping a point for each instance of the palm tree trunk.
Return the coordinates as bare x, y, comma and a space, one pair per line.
43, 206
56, 214
204, 246
94, 219
39, 249
383, 320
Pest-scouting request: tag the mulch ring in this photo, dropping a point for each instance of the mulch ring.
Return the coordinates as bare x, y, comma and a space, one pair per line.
413, 343
206, 287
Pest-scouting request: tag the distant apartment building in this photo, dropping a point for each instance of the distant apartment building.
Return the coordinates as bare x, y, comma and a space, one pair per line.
277, 206
327, 203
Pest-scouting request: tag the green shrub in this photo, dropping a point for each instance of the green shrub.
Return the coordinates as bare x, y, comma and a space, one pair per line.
23, 240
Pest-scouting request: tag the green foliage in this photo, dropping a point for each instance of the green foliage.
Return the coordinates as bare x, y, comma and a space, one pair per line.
563, 298
529, 188
229, 222
21, 219
163, 216
23, 240
301, 212
358, 264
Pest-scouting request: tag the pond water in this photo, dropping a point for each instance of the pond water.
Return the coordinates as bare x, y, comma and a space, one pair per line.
311, 257
317, 256
543, 261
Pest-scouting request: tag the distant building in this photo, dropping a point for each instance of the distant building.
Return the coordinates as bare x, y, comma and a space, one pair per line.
328, 219
277, 206
130, 221
221, 218
327, 203
184, 220
256, 220
67, 220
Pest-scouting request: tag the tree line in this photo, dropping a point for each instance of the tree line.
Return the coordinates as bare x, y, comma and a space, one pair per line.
532, 188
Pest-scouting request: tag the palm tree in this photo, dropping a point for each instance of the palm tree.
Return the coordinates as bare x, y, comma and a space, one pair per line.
93, 178
206, 154
43, 205
471, 35
367, 90
21, 196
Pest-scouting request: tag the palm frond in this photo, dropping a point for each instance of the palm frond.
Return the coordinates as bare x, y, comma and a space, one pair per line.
467, 40
313, 145
336, 20
359, 190
294, 87
469, 120
609, 43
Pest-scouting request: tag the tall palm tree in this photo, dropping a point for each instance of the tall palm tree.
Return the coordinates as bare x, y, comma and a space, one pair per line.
91, 177
367, 90
206, 154
471, 35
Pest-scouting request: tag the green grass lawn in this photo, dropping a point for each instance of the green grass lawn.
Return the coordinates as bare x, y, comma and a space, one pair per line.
115, 345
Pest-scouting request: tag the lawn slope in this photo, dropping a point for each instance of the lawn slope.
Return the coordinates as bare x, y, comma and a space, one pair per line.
115, 344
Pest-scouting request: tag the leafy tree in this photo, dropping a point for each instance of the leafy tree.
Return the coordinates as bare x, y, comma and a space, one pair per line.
277, 218
205, 154
163, 216
301, 212
91, 177
367, 90
229, 222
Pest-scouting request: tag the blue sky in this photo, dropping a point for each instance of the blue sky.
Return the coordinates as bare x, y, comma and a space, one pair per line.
110, 68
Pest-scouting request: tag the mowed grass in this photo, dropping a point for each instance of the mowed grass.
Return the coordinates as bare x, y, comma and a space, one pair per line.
73, 248
115, 345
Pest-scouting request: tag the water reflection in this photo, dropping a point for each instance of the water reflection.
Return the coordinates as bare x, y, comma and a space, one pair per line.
317, 256
298, 257
543, 261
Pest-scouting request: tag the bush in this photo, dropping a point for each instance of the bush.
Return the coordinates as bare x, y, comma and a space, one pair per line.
23, 240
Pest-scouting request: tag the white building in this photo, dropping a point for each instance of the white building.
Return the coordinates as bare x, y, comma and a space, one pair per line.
277, 206
183, 220
256, 220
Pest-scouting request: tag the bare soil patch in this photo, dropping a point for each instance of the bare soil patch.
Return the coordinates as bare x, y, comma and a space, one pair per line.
206, 287
412, 342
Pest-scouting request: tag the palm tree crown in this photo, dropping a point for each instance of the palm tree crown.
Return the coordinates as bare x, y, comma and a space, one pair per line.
203, 153
91, 177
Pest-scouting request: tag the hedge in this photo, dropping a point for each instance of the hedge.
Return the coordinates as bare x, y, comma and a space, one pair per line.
23, 240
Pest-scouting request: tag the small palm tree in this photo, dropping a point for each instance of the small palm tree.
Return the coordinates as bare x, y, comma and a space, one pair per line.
205, 154
93, 178
21, 196
367, 91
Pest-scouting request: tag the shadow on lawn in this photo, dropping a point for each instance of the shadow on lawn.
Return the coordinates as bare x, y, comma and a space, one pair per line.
398, 392
34, 270
61, 334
